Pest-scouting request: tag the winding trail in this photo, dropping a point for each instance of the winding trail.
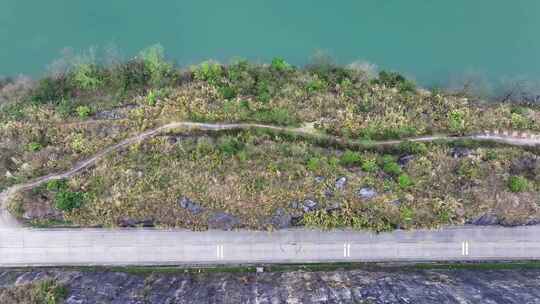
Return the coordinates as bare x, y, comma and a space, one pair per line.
8, 221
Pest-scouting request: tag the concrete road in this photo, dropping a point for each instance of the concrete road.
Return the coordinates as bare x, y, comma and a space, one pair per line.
38, 247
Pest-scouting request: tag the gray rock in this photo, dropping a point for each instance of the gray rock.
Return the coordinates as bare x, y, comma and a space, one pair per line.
333, 207
309, 205
295, 205
486, 220
405, 159
190, 205
328, 193
319, 179
352, 286
367, 193
460, 152
132, 223
281, 219
396, 203
340, 183
223, 221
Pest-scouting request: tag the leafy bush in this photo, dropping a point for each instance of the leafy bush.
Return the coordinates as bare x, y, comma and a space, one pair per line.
52, 90
279, 64
85, 76
370, 165
392, 168
279, 116
314, 164
389, 165
132, 75
34, 147
64, 108
227, 92
154, 61
412, 147
396, 80
151, 98
208, 71
519, 121
66, 200
456, 121
404, 181
350, 158
83, 111
230, 145
315, 85
48, 292
56, 185
518, 184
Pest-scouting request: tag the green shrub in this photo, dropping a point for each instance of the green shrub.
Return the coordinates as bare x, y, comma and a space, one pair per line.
230, 145
85, 76
227, 92
394, 133
279, 64
315, 85
56, 185
518, 184
263, 92
469, 169
34, 147
52, 90
279, 116
64, 108
154, 61
83, 111
370, 165
396, 80
314, 164
132, 75
48, 292
350, 158
151, 98
404, 181
519, 121
412, 147
406, 214
456, 121
490, 155
392, 168
66, 200
208, 71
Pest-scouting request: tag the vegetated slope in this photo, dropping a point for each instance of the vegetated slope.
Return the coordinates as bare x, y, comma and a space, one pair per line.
253, 179
355, 286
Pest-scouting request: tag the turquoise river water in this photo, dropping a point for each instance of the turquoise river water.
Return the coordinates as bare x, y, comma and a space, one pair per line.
432, 41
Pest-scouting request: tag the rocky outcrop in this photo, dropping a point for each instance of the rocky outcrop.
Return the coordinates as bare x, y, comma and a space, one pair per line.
223, 221
356, 286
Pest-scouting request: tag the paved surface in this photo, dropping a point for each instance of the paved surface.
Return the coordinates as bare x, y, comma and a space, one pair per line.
32, 247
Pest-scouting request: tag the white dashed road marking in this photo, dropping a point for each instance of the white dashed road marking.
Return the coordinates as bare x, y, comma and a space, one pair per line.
219, 252
465, 248
347, 250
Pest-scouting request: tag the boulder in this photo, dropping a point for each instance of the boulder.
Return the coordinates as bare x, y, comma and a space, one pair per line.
340, 183
367, 193
309, 205
189, 205
132, 223
460, 152
405, 159
281, 219
223, 221
319, 179
486, 219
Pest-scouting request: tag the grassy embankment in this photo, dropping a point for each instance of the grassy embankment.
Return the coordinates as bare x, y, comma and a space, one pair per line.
47, 126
